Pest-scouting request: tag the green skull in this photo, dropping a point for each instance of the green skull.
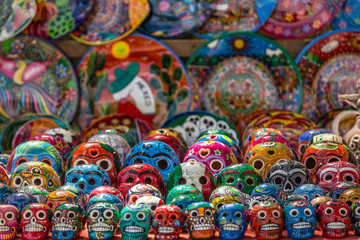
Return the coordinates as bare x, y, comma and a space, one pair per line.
242, 176
135, 222
183, 190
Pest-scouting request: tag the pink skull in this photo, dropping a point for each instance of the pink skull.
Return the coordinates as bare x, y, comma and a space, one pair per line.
9, 222
63, 147
215, 155
329, 174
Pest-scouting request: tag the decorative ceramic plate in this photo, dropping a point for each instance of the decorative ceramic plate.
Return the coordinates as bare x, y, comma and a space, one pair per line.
291, 125
36, 77
15, 16
300, 18
329, 66
170, 18
137, 76
191, 124
55, 18
265, 61
349, 16
111, 20
236, 16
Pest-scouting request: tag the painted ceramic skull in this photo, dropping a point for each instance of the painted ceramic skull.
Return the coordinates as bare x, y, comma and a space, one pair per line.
334, 219
135, 222
102, 221
36, 151
99, 154
201, 220
232, 221
306, 137
309, 191
35, 173
288, 175
20, 200
87, 177
340, 187
107, 189
118, 143
266, 220
355, 216
9, 221
258, 133
268, 189
59, 197
36, 191
183, 196
192, 173
260, 198
35, 221
140, 173
319, 154
5, 191
158, 154
106, 198
242, 176
225, 195
222, 131
140, 190
215, 155
78, 192
350, 196
264, 155
151, 202
167, 222
300, 220
69, 135
68, 221
329, 174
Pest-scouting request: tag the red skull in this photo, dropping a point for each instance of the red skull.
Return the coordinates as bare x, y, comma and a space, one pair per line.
334, 219
140, 173
168, 222
330, 174
35, 221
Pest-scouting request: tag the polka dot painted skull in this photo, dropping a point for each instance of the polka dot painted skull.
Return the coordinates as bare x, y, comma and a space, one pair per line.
215, 155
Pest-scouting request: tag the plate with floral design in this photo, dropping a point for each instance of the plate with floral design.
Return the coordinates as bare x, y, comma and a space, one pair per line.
111, 20
349, 16
171, 18
236, 16
37, 77
329, 66
300, 18
137, 76
56, 18
15, 16
235, 62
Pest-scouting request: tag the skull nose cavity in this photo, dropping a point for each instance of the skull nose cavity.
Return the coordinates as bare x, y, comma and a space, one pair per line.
202, 220
33, 220
230, 220
82, 185
165, 223
101, 219
288, 186
62, 219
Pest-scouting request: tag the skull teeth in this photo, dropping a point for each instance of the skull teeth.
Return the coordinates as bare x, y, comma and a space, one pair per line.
34, 227
64, 227
4, 228
202, 227
301, 225
100, 227
166, 230
270, 227
336, 225
230, 227
133, 229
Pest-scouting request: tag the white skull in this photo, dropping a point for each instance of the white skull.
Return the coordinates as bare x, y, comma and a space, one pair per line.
195, 119
222, 125
207, 123
192, 132
181, 131
193, 173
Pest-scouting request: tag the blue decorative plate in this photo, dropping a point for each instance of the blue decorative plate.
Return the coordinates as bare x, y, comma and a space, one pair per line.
349, 16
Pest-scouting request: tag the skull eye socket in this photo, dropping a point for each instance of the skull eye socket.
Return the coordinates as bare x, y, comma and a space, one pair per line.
208, 213
262, 214
9, 216
294, 212
41, 215
94, 214
71, 215
258, 164
27, 214
140, 216
277, 180
138, 161
357, 211
57, 214
310, 163
249, 181
329, 211
182, 181
173, 217
92, 181
21, 160
159, 217
74, 180
163, 164
332, 160
328, 177
224, 215
129, 180
230, 180
194, 213
298, 180
203, 180
238, 214
306, 196
276, 213
302, 148
17, 181
37, 181
307, 212
349, 178
47, 161
216, 165
108, 214
343, 212
80, 162
153, 207
106, 164
147, 180
315, 196
127, 216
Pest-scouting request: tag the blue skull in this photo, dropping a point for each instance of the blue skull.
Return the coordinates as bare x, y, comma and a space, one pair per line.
158, 154
268, 189
300, 220
309, 191
232, 222
106, 198
87, 177
5, 191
